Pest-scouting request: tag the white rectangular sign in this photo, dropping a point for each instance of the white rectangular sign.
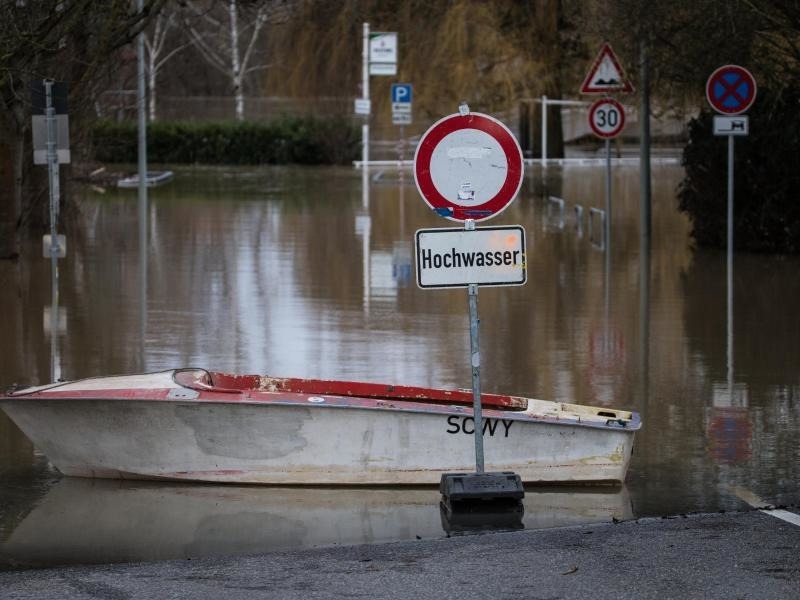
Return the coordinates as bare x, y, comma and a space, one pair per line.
363, 106
39, 128
401, 118
459, 257
383, 68
383, 47
383, 53
736, 125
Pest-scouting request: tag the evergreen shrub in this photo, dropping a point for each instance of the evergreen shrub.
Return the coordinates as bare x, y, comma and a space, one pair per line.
766, 178
305, 140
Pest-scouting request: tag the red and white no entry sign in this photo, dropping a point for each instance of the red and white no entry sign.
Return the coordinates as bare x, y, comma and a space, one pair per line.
607, 118
468, 167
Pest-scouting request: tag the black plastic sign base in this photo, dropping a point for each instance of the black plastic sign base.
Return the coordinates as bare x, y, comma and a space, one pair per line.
460, 487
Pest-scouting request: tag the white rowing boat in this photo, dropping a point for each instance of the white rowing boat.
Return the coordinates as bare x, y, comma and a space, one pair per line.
196, 425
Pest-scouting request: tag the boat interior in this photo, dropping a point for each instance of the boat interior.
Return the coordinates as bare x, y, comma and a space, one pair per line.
201, 379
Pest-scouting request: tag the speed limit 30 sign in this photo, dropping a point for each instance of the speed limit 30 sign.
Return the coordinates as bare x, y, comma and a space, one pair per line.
607, 118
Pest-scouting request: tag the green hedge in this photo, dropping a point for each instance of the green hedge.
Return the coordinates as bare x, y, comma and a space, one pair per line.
767, 178
303, 140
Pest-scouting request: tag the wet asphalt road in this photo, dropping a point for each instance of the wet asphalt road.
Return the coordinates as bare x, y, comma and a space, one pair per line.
733, 555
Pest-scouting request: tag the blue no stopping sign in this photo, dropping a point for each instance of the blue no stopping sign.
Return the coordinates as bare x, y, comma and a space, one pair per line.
731, 90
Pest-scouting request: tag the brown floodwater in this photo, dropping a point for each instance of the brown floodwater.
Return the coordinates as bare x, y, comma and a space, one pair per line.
302, 272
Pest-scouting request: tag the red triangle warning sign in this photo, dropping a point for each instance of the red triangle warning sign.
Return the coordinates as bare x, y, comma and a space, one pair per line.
606, 75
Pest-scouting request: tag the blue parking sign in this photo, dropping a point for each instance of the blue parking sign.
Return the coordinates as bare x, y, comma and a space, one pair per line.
401, 93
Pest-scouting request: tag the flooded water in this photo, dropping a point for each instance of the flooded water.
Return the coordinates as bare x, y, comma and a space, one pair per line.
302, 272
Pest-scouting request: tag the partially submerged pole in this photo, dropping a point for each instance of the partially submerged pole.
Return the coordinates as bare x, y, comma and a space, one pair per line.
142, 199
645, 191
365, 96
55, 196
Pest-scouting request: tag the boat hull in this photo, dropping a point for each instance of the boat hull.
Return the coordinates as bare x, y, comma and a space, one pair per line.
310, 440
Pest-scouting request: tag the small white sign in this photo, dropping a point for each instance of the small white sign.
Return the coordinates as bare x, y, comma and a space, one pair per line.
401, 118
401, 107
460, 257
39, 129
383, 68
363, 106
738, 125
383, 47
60, 247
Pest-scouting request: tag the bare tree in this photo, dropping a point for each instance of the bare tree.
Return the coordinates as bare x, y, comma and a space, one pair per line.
66, 40
155, 42
227, 38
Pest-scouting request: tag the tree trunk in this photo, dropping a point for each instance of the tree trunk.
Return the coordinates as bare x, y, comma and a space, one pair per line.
236, 69
151, 84
9, 214
11, 178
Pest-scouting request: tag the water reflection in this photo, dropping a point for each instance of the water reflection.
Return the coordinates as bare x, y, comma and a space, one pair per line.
299, 272
481, 516
98, 521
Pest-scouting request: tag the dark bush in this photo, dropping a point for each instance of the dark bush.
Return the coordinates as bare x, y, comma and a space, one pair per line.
766, 178
304, 140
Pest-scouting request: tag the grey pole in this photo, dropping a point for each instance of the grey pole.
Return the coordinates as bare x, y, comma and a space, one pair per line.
475, 362
645, 191
55, 194
730, 267
607, 232
365, 96
142, 200
544, 131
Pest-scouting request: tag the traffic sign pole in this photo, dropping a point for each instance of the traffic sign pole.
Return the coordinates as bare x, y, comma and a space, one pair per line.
55, 194
731, 90
475, 363
607, 120
730, 266
365, 96
468, 168
607, 229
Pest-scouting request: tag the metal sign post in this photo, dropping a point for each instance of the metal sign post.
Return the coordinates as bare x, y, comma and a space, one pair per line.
730, 90
730, 266
378, 57
365, 97
50, 129
402, 94
607, 120
468, 168
55, 194
142, 193
475, 362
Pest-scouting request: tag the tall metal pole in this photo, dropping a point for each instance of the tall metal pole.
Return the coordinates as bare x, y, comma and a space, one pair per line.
475, 362
142, 200
544, 131
365, 96
607, 246
730, 267
645, 191
607, 232
55, 194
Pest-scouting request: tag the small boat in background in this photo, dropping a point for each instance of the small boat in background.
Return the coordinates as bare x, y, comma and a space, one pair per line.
154, 178
196, 425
